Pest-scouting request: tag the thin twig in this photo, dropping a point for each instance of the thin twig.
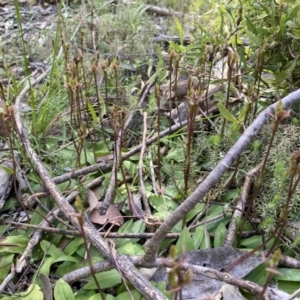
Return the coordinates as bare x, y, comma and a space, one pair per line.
141, 167
240, 207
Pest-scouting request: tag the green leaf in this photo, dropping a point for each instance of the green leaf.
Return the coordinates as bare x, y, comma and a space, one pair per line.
92, 112
126, 296
206, 243
7, 169
45, 268
180, 30
106, 280
98, 297
139, 226
285, 73
51, 249
220, 235
131, 249
129, 227
85, 294
101, 148
226, 114
5, 265
66, 258
196, 210
63, 291
289, 287
243, 113
14, 244
33, 293
131, 167
74, 245
254, 40
198, 236
288, 275
162, 286
175, 154
259, 275
162, 204
185, 242
254, 242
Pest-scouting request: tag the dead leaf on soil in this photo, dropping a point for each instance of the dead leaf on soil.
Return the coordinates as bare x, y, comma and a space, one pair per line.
112, 216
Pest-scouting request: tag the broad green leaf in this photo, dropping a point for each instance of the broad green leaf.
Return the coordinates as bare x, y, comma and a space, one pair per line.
13, 202
63, 291
92, 112
139, 226
220, 235
74, 245
244, 112
206, 243
45, 268
98, 297
126, 296
165, 244
192, 213
289, 287
180, 30
288, 275
259, 275
198, 236
101, 148
162, 204
126, 227
131, 249
175, 154
172, 191
130, 167
185, 242
51, 249
294, 12
130, 227
282, 24
254, 241
5, 265
226, 114
229, 195
14, 244
85, 294
218, 215
106, 280
285, 73
7, 169
33, 293
66, 258
254, 40
162, 286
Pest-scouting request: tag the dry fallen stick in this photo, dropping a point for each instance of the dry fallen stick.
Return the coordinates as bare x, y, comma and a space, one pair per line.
125, 265
240, 207
141, 167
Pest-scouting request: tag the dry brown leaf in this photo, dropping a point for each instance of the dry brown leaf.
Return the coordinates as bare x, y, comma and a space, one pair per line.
112, 216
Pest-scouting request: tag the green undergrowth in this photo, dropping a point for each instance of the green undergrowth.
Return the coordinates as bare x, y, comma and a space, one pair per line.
75, 114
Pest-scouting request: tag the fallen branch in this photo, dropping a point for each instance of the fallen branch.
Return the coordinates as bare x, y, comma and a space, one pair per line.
240, 207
